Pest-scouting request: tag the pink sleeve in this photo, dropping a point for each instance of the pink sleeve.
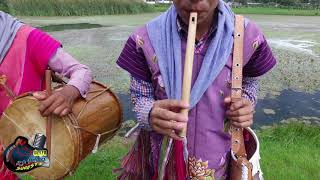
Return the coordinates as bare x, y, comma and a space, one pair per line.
79, 74
41, 47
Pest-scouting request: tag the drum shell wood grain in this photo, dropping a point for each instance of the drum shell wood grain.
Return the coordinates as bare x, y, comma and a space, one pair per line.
98, 113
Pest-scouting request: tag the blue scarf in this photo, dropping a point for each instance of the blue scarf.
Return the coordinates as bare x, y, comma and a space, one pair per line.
9, 27
164, 37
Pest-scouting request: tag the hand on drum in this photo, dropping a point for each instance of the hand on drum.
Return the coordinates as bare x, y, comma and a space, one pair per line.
240, 113
166, 119
59, 103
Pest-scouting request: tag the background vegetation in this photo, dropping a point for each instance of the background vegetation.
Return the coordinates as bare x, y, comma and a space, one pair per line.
74, 7
111, 7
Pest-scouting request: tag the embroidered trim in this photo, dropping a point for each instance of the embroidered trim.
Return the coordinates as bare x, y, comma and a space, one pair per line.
139, 41
255, 45
198, 170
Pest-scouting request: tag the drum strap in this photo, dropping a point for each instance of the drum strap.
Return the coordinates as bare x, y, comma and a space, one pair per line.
49, 119
238, 146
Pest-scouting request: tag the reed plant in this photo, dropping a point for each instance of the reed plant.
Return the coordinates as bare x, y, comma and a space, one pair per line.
77, 7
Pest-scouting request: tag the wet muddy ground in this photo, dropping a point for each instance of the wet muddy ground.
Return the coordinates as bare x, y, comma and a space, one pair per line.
289, 92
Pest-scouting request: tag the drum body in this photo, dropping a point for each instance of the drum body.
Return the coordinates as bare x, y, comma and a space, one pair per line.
94, 119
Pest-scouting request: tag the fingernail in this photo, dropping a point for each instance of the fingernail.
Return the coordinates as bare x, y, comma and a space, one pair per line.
180, 126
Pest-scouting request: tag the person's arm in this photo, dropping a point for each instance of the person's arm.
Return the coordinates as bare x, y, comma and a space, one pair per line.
44, 51
250, 89
142, 99
152, 115
132, 59
80, 75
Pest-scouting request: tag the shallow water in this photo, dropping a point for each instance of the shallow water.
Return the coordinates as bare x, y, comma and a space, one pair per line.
288, 105
270, 110
126, 105
302, 46
62, 27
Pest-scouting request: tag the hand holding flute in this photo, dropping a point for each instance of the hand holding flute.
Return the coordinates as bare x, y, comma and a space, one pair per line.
170, 117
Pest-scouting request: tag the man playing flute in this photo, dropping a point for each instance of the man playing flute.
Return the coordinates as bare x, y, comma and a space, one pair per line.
154, 56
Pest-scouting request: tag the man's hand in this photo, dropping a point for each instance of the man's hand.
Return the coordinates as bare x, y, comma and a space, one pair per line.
166, 119
59, 103
240, 113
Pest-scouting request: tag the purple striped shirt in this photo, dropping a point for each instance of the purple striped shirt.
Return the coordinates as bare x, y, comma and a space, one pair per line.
133, 60
260, 62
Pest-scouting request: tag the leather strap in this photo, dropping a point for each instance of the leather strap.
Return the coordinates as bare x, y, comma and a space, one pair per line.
238, 146
236, 86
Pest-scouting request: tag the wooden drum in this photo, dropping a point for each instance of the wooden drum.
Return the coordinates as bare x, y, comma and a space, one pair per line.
94, 120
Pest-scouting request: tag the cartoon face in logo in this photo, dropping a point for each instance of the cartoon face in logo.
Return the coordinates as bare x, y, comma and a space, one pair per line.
21, 157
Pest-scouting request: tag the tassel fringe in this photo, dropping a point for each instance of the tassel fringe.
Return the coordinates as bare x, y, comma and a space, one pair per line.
136, 164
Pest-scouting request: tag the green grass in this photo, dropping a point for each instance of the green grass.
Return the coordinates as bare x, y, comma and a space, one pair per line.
3, 6
161, 7
287, 151
263, 10
100, 165
291, 152
277, 11
76, 7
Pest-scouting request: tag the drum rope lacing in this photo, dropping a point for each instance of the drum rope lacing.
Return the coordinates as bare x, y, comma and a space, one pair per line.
74, 119
96, 146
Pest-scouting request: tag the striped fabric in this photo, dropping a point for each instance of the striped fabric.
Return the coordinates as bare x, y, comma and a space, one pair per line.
260, 62
132, 59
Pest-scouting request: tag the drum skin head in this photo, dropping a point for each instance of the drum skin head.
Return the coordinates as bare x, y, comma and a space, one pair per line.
22, 118
73, 137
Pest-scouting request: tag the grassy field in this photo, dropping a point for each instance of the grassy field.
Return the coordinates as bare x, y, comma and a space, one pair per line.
291, 152
101, 165
75, 7
277, 11
287, 152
